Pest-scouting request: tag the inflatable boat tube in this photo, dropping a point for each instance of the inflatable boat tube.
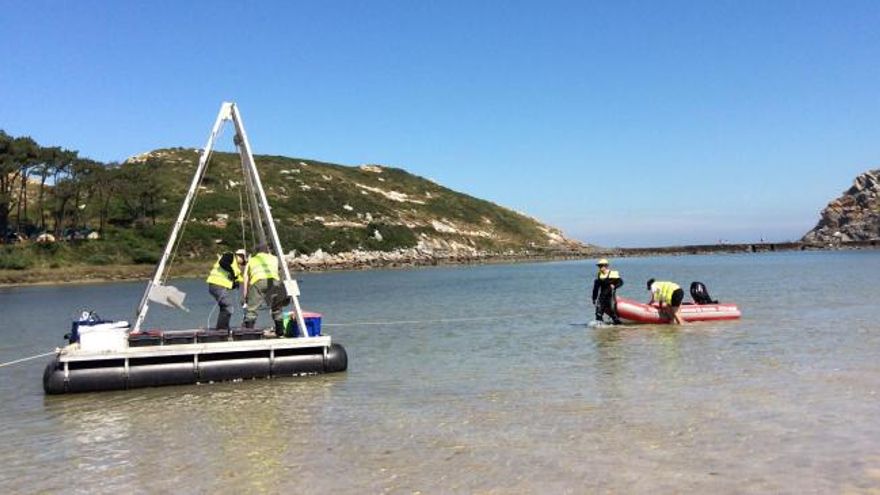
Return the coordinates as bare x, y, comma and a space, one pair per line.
181, 369
636, 312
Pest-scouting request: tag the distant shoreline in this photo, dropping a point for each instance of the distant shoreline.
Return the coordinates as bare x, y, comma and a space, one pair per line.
83, 274
754, 247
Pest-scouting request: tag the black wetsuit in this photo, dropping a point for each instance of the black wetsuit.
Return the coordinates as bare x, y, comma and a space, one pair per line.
603, 295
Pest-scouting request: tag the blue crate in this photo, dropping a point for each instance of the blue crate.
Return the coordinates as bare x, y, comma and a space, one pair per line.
313, 325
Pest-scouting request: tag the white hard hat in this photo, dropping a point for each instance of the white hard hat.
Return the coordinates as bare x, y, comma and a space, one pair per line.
241, 252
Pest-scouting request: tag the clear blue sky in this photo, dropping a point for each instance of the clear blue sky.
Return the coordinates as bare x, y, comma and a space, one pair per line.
623, 123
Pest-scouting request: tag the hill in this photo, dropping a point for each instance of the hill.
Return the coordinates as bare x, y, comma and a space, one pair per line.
324, 209
326, 214
854, 216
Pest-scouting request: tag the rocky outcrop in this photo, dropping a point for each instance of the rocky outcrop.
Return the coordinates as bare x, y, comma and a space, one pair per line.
854, 216
319, 260
427, 252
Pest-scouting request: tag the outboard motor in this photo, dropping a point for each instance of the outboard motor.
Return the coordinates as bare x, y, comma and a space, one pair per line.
701, 294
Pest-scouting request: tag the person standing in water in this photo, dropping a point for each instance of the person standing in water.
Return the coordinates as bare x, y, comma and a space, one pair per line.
604, 287
669, 296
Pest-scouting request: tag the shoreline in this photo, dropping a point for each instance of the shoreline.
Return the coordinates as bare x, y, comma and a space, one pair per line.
84, 274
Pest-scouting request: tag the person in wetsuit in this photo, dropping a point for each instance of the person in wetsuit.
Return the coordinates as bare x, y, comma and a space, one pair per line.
604, 287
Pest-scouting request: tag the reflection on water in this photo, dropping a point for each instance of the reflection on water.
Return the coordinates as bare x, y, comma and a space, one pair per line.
152, 440
785, 400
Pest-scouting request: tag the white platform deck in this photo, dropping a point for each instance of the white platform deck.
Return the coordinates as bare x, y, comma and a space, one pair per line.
73, 353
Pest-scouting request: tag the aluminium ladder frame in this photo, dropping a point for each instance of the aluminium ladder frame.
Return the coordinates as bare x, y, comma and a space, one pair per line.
228, 112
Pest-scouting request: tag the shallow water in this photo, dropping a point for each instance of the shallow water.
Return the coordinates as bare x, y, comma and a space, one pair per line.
533, 400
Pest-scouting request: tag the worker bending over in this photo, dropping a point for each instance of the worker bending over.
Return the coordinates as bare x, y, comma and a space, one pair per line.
262, 284
225, 276
669, 296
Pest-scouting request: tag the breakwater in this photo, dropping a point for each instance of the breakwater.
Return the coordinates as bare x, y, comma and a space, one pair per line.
760, 247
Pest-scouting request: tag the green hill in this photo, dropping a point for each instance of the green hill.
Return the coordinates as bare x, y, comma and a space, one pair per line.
319, 207
338, 208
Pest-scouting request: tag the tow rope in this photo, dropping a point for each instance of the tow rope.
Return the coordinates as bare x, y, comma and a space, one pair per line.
10, 363
439, 320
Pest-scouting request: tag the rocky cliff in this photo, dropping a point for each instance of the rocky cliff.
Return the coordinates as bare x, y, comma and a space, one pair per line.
854, 216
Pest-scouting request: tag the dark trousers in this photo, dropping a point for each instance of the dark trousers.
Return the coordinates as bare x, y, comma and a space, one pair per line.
224, 302
268, 292
607, 304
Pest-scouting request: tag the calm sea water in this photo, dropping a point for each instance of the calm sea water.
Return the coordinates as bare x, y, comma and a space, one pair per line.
530, 401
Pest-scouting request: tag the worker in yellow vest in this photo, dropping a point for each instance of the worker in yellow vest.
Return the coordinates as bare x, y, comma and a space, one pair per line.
262, 284
669, 296
604, 291
225, 276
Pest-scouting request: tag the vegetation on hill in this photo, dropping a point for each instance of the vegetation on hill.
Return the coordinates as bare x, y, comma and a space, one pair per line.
101, 214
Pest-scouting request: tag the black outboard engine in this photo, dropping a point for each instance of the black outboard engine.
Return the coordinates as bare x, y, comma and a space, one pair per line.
701, 294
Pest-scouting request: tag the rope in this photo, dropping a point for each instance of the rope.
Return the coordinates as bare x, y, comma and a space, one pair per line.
241, 219
10, 363
210, 314
251, 222
439, 320
248, 182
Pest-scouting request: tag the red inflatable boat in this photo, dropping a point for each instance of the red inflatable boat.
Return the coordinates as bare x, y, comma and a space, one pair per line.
636, 312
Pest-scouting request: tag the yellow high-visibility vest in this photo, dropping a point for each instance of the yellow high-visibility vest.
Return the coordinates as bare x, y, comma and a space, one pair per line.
610, 274
663, 291
219, 276
262, 266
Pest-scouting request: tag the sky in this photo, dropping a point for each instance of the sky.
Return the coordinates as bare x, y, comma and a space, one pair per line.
623, 123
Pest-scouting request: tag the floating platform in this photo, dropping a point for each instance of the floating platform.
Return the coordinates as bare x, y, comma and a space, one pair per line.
185, 357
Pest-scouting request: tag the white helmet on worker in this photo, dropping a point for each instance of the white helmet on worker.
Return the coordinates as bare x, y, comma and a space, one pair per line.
602, 262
